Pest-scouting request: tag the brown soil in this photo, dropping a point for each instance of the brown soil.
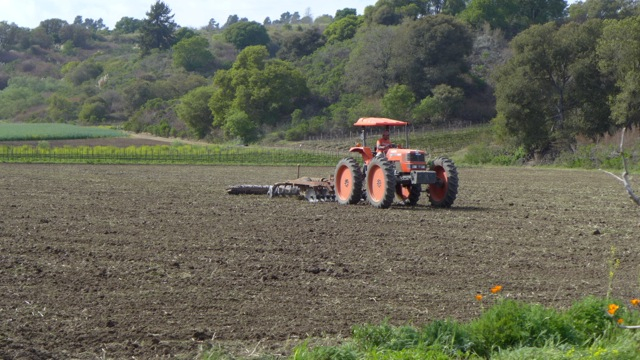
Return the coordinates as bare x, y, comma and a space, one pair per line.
158, 261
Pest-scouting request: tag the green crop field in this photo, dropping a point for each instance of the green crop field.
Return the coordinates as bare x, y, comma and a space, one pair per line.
39, 131
164, 154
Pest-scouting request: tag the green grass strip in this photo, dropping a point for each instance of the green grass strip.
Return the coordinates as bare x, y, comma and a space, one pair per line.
47, 131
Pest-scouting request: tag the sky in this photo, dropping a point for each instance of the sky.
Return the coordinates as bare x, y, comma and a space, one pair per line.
187, 13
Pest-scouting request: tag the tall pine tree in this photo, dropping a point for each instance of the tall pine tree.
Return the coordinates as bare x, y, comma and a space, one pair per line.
157, 30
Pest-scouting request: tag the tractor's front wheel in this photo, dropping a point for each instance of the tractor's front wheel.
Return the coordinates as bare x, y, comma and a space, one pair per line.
380, 183
443, 193
348, 181
409, 194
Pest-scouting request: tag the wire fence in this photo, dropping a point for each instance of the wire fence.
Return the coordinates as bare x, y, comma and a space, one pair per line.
414, 130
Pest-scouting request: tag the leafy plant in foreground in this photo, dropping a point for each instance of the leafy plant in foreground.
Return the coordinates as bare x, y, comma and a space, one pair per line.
510, 324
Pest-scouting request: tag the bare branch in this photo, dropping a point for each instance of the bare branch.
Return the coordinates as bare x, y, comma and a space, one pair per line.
625, 175
610, 173
627, 186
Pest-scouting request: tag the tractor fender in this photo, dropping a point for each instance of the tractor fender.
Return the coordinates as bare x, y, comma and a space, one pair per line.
365, 151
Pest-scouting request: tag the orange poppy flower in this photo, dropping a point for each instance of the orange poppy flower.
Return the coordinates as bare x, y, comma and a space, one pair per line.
620, 321
612, 309
479, 297
635, 302
496, 289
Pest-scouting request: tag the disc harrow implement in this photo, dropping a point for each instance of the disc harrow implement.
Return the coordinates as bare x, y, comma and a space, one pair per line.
304, 188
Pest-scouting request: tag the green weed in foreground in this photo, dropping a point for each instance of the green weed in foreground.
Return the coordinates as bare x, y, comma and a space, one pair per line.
50, 131
508, 329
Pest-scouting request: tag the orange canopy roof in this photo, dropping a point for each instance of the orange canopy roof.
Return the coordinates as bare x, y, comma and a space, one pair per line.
372, 121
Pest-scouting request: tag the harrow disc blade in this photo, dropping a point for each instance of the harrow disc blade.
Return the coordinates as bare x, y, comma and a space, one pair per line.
318, 195
283, 190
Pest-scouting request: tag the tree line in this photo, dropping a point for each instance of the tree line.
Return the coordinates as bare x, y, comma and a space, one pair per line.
542, 71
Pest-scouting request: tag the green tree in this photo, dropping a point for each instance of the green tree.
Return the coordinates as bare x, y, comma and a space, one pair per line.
601, 9
453, 7
381, 14
348, 107
440, 106
213, 25
52, 28
512, 16
39, 36
285, 18
323, 20
239, 125
540, 11
137, 93
60, 109
438, 46
231, 19
6, 35
78, 35
343, 29
295, 18
194, 110
128, 25
394, 12
325, 70
193, 54
94, 110
182, 34
479, 12
551, 88
369, 70
4, 81
343, 13
11, 35
398, 102
92, 25
79, 73
619, 51
157, 30
243, 34
297, 44
434, 7
267, 91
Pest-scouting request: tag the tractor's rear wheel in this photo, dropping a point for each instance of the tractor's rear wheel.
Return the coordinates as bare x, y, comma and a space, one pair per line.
348, 181
380, 183
409, 194
443, 193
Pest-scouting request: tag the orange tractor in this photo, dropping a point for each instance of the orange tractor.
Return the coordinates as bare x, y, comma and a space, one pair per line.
393, 172
386, 174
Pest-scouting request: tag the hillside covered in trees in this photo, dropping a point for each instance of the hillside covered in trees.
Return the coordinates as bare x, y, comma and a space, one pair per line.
542, 71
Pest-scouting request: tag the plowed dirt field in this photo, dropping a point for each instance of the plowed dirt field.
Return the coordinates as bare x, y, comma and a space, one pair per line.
159, 261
